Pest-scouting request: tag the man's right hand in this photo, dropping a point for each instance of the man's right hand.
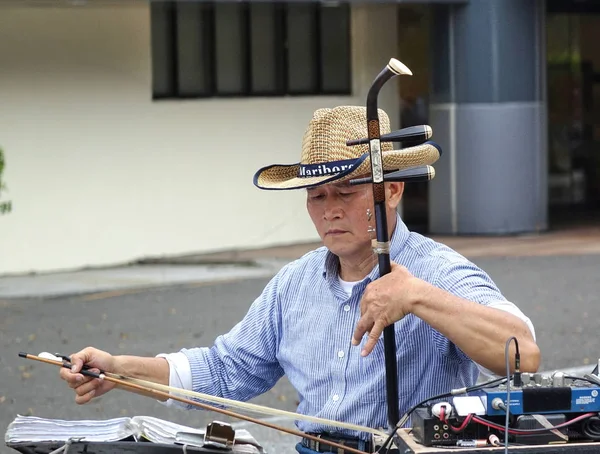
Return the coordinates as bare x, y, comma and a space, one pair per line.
85, 387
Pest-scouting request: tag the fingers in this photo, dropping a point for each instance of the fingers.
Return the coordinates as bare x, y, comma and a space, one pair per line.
83, 385
373, 329
362, 327
373, 337
85, 397
73, 379
76, 380
86, 388
81, 358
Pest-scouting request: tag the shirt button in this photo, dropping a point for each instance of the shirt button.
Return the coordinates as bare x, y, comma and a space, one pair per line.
336, 398
340, 354
346, 308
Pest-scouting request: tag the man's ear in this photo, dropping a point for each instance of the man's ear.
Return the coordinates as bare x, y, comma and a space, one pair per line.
395, 190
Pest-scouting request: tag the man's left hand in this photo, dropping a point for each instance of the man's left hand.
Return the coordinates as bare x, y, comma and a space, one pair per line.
385, 301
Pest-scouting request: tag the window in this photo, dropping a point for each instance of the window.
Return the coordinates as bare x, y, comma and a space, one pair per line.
205, 49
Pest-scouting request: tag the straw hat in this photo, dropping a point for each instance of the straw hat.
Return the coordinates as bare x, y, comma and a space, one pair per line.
326, 157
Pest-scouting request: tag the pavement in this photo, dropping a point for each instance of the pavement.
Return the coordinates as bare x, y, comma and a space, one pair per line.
227, 266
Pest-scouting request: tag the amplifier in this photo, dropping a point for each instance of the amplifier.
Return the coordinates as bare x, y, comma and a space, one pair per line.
542, 395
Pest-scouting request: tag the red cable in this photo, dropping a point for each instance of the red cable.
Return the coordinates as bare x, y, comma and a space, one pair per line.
529, 431
464, 424
472, 417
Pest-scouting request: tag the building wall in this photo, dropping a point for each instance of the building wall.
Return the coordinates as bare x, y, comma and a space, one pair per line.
98, 174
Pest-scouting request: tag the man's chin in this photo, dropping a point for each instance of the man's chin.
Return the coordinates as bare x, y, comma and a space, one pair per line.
334, 245
342, 248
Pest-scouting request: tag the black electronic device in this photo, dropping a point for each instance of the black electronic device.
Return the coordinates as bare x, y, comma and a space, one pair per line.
429, 430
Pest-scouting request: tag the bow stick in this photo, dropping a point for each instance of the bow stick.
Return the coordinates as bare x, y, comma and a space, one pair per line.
55, 359
167, 392
381, 245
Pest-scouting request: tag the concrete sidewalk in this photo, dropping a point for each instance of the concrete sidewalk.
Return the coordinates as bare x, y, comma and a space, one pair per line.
567, 241
205, 269
119, 280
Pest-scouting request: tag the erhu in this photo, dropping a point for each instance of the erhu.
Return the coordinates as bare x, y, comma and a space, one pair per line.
431, 153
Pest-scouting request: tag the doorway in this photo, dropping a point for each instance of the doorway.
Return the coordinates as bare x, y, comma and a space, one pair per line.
414, 51
573, 75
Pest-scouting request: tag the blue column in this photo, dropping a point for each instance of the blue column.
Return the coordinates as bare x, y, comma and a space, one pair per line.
488, 111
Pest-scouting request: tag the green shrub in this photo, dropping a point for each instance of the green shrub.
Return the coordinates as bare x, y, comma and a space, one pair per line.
5, 207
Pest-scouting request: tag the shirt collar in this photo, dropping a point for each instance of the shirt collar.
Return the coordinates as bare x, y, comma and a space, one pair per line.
398, 239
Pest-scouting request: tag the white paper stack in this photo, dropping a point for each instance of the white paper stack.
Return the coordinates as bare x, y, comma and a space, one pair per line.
160, 431
34, 429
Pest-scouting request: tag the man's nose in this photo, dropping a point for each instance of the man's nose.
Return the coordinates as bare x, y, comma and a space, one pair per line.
332, 211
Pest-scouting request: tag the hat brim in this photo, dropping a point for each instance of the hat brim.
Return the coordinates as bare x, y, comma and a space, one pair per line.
282, 177
285, 177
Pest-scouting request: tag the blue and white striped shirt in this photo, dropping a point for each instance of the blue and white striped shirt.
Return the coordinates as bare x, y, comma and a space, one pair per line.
302, 325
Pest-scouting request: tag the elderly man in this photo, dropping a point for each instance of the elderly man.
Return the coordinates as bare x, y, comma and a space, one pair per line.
310, 321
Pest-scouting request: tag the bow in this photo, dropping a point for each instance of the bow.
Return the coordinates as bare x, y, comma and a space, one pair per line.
169, 392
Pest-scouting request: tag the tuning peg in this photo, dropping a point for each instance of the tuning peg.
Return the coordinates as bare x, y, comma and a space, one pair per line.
410, 134
411, 175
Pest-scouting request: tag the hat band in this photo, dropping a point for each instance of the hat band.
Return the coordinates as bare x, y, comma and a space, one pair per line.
326, 168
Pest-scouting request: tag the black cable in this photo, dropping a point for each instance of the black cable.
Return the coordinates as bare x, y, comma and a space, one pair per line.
517, 371
592, 378
517, 379
591, 381
591, 428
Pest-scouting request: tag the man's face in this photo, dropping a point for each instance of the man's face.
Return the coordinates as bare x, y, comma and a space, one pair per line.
339, 213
